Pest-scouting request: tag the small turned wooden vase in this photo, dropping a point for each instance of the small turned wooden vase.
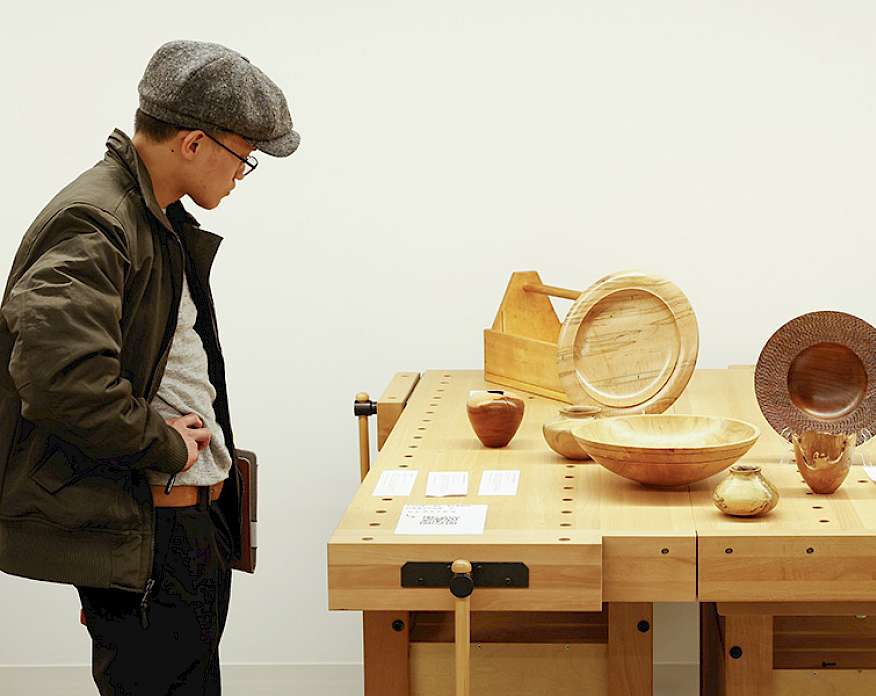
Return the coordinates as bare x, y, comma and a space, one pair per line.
558, 433
494, 415
823, 459
745, 492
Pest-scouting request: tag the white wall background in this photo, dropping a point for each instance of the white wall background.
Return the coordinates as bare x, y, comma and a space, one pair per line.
728, 146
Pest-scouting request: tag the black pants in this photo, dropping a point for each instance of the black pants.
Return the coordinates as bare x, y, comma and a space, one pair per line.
178, 653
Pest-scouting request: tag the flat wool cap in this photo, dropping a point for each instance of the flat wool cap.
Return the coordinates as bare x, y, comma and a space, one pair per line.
198, 85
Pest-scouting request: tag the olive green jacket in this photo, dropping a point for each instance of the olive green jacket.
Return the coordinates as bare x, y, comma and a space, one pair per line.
86, 324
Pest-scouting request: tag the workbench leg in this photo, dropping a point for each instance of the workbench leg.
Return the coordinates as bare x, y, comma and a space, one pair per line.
386, 637
711, 651
630, 649
748, 655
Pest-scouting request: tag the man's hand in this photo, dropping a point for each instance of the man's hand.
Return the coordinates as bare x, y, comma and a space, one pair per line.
196, 436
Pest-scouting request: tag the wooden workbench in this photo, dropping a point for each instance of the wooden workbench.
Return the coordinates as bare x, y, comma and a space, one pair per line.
600, 550
587, 536
788, 597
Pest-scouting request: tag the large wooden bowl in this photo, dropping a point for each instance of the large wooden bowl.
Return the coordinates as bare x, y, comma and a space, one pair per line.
666, 450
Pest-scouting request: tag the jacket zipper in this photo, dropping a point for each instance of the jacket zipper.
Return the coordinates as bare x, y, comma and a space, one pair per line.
171, 326
144, 604
165, 345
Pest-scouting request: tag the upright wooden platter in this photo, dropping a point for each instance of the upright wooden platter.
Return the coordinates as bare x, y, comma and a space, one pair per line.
629, 344
818, 372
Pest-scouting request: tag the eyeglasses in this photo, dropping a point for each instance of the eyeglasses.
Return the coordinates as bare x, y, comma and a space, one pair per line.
249, 163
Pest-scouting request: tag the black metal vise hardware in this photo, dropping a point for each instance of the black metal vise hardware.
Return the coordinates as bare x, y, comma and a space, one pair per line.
487, 574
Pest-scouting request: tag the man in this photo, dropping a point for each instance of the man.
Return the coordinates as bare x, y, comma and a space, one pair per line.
116, 470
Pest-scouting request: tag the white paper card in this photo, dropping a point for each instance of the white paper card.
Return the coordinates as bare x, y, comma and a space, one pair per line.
499, 482
871, 471
394, 482
443, 483
442, 519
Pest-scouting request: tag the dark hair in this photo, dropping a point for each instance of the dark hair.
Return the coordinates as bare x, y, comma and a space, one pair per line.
159, 131
152, 128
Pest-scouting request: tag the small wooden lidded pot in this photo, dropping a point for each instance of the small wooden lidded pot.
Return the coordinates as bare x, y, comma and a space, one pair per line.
495, 415
745, 492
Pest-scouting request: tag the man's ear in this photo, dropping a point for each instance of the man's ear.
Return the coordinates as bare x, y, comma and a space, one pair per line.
191, 143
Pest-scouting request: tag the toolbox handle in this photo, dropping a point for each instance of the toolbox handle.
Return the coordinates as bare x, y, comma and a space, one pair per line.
551, 291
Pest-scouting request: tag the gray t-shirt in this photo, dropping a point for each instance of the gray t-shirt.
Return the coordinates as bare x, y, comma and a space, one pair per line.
186, 388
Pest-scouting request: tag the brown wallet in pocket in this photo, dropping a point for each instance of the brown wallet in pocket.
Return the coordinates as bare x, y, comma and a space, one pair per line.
246, 463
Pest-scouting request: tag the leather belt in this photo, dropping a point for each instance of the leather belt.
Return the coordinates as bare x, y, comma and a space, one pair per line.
183, 496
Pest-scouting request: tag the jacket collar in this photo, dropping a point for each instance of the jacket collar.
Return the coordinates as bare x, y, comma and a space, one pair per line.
119, 145
200, 244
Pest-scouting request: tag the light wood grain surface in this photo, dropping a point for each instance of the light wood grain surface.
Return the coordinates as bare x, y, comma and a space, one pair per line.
520, 349
504, 669
748, 643
666, 449
810, 560
392, 402
586, 534
624, 542
811, 547
629, 344
630, 649
822, 682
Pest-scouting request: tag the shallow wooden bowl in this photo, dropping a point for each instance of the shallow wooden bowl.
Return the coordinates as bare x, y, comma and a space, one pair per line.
628, 344
666, 450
